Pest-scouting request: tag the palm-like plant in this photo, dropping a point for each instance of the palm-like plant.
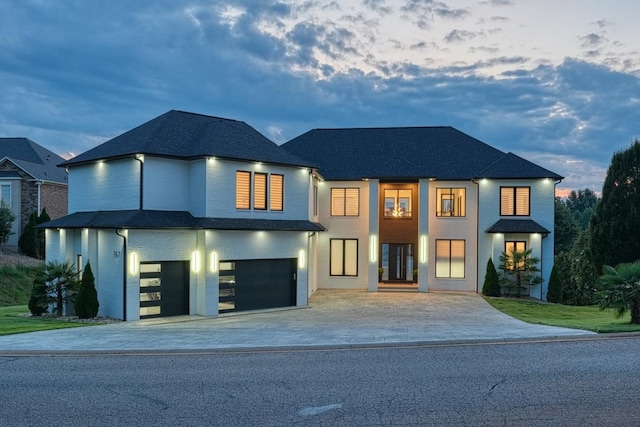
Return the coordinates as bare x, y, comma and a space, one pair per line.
619, 288
61, 283
519, 270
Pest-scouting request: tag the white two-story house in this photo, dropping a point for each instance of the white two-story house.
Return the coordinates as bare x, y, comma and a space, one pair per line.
188, 214
423, 205
193, 214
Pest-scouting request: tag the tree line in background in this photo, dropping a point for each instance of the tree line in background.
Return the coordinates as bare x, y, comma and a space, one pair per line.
597, 241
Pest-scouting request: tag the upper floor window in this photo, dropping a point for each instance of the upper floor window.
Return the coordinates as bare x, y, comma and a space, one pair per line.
266, 188
514, 201
397, 203
345, 201
5, 194
451, 202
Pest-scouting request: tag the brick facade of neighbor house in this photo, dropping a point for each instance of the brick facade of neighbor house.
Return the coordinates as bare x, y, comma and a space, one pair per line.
35, 181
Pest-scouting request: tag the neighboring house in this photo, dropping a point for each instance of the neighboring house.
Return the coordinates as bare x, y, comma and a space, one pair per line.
193, 214
430, 201
30, 181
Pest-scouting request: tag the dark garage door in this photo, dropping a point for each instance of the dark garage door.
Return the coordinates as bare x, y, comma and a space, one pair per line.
164, 289
257, 284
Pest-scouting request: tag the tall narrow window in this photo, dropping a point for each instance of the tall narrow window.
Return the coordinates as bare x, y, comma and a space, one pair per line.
5, 194
315, 200
514, 201
450, 259
243, 190
276, 192
451, 202
260, 191
344, 257
515, 246
345, 201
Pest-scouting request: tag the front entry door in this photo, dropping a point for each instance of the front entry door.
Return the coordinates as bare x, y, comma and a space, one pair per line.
397, 262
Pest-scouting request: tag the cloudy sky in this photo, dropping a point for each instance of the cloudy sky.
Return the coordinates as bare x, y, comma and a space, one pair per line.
554, 81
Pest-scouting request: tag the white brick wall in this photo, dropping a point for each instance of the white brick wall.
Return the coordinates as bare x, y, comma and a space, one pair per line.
109, 185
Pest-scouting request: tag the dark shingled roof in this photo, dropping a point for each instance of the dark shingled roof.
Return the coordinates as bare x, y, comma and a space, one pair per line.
34, 159
407, 153
148, 219
184, 135
517, 226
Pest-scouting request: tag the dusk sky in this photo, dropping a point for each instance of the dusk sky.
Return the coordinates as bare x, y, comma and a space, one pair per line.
554, 81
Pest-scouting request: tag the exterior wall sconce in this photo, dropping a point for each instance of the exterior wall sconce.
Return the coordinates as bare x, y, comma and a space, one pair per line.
195, 261
373, 248
213, 261
423, 250
133, 263
302, 259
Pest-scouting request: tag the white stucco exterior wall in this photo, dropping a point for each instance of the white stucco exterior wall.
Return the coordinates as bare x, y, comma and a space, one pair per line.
112, 185
167, 184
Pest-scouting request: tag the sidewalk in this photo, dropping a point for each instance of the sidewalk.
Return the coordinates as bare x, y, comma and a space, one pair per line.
334, 318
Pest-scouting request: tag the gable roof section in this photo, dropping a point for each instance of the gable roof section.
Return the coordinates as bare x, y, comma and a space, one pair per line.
151, 219
178, 134
439, 152
33, 159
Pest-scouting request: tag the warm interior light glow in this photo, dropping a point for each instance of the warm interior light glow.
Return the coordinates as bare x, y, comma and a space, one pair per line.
373, 248
302, 259
423, 249
213, 261
133, 263
195, 261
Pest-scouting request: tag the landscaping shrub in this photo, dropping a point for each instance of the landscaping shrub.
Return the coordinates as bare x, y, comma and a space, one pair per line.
491, 286
554, 292
86, 302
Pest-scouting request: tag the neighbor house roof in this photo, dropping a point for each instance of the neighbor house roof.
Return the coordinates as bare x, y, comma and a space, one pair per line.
152, 219
407, 153
183, 135
517, 226
33, 159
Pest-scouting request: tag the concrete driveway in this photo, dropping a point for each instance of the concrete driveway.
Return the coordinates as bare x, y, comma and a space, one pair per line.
334, 318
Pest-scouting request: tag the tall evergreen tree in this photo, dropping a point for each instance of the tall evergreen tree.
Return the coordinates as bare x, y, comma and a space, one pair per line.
86, 302
566, 228
615, 225
28, 242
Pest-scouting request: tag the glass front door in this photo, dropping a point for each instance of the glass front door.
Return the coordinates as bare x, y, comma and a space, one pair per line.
397, 262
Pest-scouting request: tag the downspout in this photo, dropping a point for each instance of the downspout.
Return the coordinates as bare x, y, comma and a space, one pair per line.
475, 181
39, 183
140, 158
124, 275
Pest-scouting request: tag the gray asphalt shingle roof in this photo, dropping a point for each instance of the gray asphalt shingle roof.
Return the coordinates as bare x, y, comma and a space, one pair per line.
152, 219
517, 226
34, 159
408, 153
184, 135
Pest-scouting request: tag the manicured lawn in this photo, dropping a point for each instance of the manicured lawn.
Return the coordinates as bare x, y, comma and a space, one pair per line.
584, 317
12, 323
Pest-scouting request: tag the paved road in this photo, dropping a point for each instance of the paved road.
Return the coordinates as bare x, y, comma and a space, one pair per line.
592, 382
335, 319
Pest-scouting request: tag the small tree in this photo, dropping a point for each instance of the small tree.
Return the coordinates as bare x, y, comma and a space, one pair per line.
28, 241
61, 283
38, 303
86, 302
554, 293
6, 222
44, 217
519, 270
491, 285
619, 288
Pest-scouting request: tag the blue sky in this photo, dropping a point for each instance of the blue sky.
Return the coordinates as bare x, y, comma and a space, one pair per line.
557, 82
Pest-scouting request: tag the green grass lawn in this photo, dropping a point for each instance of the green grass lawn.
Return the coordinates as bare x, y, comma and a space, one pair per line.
568, 316
11, 321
